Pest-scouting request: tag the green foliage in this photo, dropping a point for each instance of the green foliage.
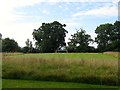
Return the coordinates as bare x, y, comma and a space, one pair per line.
0, 36
28, 43
50, 36
28, 48
80, 42
10, 45
108, 37
116, 36
25, 49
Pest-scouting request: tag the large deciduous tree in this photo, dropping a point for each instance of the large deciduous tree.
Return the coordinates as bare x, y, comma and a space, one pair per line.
50, 36
108, 36
80, 42
116, 37
104, 33
10, 45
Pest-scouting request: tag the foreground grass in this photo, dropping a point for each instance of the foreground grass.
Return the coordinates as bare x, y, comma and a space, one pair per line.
7, 83
91, 68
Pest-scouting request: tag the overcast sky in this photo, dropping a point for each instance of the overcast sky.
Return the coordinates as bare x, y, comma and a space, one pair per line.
18, 18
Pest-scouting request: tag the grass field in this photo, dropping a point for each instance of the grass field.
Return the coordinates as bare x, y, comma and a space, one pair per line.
88, 68
47, 84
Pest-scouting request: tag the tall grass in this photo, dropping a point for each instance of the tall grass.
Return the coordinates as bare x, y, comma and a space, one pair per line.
83, 70
116, 54
11, 54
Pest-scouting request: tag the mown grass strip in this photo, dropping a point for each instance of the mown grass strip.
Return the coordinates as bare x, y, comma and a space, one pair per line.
8, 83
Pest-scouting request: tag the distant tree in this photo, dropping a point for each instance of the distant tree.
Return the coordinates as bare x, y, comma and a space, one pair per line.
10, 45
28, 43
0, 36
50, 36
108, 37
28, 48
116, 37
104, 33
80, 42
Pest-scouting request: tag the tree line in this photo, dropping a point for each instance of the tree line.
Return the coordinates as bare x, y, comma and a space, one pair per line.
50, 37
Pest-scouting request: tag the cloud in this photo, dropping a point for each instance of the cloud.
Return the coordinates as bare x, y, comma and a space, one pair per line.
18, 31
115, 1
78, 0
46, 12
20, 3
21, 31
102, 11
7, 7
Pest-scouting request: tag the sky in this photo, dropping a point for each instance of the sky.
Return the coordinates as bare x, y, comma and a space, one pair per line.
18, 18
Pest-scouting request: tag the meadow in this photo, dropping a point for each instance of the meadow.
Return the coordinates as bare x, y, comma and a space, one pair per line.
86, 68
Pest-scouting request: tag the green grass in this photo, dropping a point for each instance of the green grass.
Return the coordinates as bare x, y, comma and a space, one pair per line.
96, 56
92, 68
7, 83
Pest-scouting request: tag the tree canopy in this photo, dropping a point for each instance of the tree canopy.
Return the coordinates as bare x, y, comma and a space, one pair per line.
108, 37
50, 36
10, 45
29, 47
80, 41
